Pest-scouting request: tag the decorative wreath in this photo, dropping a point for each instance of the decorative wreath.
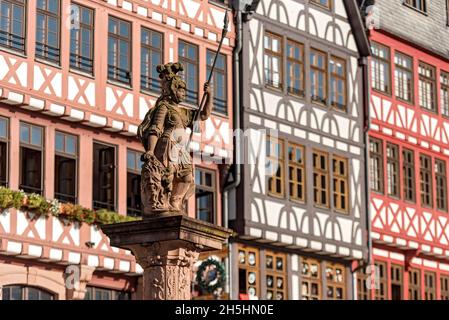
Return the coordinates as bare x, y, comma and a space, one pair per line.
210, 275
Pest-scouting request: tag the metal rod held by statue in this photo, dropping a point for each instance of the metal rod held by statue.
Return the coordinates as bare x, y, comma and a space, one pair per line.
209, 78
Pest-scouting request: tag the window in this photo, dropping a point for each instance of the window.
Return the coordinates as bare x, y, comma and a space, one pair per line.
119, 50
296, 172
403, 77
134, 168
318, 71
414, 286
397, 282
188, 56
440, 181
151, 52
31, 158
444, 290
3, 152
335, 281
219, 81
66, 169
94, 293
376, 165
420, 5
430, 289
249, 271
104, 177
12, 24
381, 271
276, 275
48, 20
392, 170
310, 279
205, 190
273, 63
338, 83
380, 68
275, 166
340, 184
427, 87
295, 68
323, 3
82, 39
408, 158
320, 179
425, 174
444, 93
363, 292
18, 292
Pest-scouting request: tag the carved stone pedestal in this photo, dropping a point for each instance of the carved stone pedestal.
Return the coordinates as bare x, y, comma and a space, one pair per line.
166, 247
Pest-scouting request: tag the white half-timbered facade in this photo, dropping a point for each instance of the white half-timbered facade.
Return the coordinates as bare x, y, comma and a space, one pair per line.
300, 209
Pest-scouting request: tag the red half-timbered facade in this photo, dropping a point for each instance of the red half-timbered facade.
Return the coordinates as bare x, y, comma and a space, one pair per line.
76, 79
409, 158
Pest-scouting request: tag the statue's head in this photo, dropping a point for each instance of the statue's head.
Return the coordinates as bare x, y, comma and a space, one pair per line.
173, 86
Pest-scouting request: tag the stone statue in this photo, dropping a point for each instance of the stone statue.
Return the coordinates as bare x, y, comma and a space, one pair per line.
167, 173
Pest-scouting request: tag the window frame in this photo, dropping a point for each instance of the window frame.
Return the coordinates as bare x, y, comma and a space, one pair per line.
248, 268
428, 171
412, 286
322, 172
114, 205
183, 60
444, 91
404, 70
118, 38
428, 80
224, 111
58, 17
339, 177
41, 149
327, 6
71, 156
135, 212
444, 287
319, 70
77, 56
280, 163
375, 58
6, 141
301, 92
307, 278
408, 166
413, 5
379, 156
144, 46
25, 292
213, 189
335, 284
334, 75
430, 292
293, 165
10, 35
276, 274
279, 55
393, 160
395, 270
441, 190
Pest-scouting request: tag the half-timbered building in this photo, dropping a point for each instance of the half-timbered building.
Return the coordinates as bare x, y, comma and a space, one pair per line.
76, 79
300, 211
408, 149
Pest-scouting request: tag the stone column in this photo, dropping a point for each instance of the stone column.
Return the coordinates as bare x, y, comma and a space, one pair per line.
166, 247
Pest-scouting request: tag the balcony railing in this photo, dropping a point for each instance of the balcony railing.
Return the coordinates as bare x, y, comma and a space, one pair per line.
12, 41
81, 63
30, 189
50, 53
118, 74
62, 197
150, 84
97, 205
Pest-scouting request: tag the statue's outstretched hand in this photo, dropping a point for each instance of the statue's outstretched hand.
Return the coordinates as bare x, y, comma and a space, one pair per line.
207, 88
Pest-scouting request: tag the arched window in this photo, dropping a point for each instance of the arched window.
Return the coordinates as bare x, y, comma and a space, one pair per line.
18, 292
